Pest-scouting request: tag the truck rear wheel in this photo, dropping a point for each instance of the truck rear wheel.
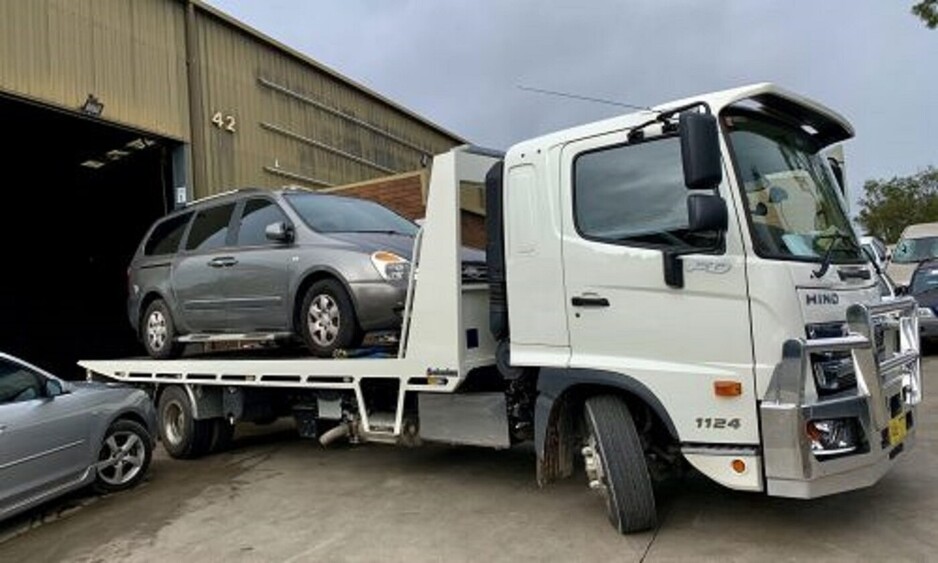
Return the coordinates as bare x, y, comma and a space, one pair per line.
182, 435
615, 464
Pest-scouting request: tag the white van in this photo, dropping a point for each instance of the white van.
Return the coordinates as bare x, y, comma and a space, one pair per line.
917, 244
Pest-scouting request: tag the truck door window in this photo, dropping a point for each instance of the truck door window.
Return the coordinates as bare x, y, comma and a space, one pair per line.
257, 214
634, 194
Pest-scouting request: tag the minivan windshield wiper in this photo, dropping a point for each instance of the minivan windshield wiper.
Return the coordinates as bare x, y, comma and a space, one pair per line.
379, 231
826, 261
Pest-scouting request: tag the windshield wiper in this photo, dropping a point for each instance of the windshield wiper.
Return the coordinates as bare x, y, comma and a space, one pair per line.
826, 261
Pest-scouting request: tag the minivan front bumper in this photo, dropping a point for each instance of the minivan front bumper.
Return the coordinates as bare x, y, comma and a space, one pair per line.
882, 409
378, 304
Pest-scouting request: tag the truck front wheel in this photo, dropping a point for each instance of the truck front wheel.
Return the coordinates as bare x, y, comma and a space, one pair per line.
615, 464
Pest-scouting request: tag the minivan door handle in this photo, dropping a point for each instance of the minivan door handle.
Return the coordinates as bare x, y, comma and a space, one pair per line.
589, 302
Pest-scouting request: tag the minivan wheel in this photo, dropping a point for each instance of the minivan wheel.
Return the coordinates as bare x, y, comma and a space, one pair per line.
327, 319
158, 332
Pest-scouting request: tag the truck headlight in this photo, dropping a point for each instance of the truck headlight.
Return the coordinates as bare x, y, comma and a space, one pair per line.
833, 372
390, 266
833, 436
925, 312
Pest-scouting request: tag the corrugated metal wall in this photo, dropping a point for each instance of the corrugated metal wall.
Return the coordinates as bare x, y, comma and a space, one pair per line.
267, 116
294, 124
129, 53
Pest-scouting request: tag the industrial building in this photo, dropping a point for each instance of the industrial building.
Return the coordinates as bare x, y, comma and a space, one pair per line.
116, 111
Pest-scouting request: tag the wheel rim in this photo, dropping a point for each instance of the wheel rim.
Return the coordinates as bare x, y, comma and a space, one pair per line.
156, 330
596, 468
323, 320
174, 420
122, 458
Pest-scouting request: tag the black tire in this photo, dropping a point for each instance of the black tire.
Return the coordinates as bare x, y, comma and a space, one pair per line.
630, 500
182, 435
125, 455
222, 433
158, 332
327, 320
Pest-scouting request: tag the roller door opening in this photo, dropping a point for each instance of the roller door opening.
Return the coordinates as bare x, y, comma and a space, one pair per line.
78, 194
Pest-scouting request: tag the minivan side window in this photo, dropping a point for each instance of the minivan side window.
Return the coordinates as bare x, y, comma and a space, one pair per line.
210, 228
257, 214
166, 235
635, 195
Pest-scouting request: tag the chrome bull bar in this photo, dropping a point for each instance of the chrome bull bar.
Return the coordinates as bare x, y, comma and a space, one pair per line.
885, 368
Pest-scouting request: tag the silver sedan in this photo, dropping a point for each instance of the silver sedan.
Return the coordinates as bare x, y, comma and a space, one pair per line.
58, 436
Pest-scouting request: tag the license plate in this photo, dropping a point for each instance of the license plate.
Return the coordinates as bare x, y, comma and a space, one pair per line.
897, 430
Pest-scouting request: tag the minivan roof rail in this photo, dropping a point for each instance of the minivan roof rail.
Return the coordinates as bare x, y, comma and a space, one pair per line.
222, 194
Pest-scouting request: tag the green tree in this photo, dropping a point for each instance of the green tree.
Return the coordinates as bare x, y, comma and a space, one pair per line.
888, 206
928, 11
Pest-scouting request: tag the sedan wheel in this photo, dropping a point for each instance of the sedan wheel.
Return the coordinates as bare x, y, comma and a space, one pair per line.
124, 456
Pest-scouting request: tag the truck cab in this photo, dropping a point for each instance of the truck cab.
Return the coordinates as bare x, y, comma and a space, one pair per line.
756, 341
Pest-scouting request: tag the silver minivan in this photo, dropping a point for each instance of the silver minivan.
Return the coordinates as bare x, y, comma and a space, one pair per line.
270, 265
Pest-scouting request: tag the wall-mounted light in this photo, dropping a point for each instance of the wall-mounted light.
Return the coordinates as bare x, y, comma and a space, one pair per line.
92, 106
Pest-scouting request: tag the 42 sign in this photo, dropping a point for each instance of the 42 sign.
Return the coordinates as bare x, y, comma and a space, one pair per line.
225, 122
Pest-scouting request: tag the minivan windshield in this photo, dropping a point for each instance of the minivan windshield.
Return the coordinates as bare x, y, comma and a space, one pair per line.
791, 198
335, 214
913, 250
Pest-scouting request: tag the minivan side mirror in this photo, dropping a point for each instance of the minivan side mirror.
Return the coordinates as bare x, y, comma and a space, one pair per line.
706, 212
700, 150
279, 232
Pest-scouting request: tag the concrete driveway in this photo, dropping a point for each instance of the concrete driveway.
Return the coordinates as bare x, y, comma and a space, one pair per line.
277, 498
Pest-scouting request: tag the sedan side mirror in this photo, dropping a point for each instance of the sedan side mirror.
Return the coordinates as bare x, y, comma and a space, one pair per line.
700, 150
279, 232
54, 388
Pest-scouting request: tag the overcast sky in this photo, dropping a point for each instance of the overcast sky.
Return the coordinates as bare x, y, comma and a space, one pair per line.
459, 63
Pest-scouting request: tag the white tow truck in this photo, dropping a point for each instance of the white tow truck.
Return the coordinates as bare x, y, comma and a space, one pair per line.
680, 284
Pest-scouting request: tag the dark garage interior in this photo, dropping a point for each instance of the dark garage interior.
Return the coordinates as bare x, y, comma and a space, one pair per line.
78, 196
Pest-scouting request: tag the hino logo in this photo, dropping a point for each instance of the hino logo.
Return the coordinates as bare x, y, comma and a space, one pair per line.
822, 299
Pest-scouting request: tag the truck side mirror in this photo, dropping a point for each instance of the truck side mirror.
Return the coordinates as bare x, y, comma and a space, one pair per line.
700, 150
706, 212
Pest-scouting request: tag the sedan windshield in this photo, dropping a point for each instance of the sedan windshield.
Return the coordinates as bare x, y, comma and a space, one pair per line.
334, 214
791, 199
913, 250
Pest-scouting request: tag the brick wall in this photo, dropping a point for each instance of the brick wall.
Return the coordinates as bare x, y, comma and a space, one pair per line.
405, 194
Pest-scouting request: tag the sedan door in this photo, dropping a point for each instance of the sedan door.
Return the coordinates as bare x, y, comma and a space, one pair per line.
257, 283
199, 271
44, 440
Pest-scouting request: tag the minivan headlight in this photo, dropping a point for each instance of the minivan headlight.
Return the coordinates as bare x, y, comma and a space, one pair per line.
391, 266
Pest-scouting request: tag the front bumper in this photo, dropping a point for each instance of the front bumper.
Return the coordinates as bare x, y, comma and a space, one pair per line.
889, 386
378, 304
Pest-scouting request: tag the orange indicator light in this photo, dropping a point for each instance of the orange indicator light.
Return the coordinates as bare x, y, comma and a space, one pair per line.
727, 388
739, 466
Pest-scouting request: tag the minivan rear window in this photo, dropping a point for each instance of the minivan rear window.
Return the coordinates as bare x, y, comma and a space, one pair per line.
166, 235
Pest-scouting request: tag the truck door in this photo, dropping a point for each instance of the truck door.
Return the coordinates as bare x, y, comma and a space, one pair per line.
623, 205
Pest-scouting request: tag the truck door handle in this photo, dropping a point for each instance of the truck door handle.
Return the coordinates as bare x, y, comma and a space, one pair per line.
589, 302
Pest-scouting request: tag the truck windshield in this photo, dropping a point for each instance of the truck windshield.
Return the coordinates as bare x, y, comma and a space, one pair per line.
793, 205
